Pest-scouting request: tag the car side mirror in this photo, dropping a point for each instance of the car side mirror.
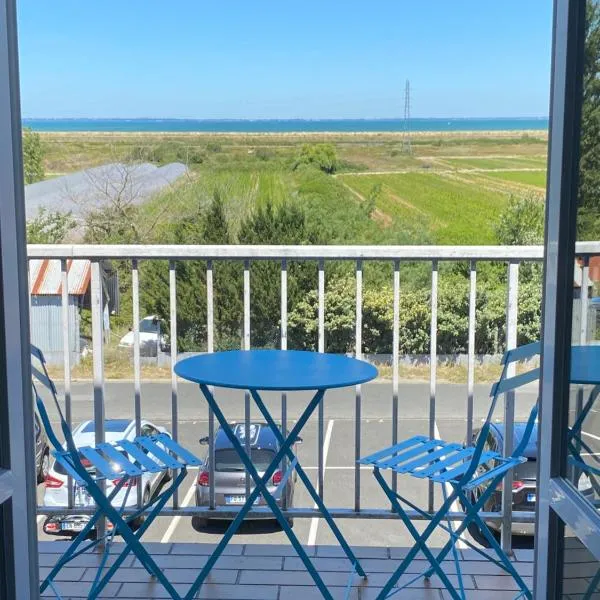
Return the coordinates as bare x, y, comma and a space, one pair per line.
204, 441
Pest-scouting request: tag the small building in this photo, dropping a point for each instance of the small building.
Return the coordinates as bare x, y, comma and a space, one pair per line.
46, 319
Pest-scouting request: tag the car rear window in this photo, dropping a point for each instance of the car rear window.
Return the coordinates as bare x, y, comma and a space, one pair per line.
110, 425
228, 460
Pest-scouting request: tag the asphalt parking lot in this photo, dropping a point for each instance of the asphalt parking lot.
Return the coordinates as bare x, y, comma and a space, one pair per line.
339, 450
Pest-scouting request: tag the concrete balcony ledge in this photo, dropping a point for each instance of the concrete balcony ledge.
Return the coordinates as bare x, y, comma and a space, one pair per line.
274, 572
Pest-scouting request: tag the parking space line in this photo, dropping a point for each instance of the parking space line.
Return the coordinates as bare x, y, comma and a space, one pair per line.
455, 505
595, 437
314, 522
175, 520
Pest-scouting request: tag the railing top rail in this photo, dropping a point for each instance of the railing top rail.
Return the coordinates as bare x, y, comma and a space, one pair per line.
411, 253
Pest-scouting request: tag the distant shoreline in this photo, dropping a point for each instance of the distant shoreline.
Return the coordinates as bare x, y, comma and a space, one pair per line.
290, 126
534, 133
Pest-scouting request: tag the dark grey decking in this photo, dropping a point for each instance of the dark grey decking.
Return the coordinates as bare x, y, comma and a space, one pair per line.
273, 572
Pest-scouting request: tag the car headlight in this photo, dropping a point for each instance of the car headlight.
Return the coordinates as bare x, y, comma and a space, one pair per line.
584, 483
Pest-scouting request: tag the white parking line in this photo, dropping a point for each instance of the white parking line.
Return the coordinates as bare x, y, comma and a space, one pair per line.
595, 437
314, 522
455, 505
175, 521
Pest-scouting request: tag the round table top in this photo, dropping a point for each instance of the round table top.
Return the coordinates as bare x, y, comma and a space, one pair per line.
281, 370
585, 365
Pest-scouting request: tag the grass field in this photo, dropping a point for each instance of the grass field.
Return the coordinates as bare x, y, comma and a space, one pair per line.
452, 211
533, 178
508, 162
450, 190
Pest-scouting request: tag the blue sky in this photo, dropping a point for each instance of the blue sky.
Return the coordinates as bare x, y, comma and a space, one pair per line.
277, 59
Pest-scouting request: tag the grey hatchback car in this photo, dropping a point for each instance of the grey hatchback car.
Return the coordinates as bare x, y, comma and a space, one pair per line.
229, 471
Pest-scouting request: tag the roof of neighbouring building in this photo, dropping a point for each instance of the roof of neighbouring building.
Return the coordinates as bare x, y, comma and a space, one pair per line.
97, 187
45, 277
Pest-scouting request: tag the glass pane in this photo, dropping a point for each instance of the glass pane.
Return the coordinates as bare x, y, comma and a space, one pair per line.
581, 570
583, 435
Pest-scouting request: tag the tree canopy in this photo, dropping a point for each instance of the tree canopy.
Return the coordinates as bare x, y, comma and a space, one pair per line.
589, 173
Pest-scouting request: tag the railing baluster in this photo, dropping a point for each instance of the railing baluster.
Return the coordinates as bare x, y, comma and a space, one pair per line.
395, 363
358, 403
512, 310
433, 365
284, 315
173, 340
321, 348
98, 368
247, 347
66, 333
210, 347
471, 348
137, 391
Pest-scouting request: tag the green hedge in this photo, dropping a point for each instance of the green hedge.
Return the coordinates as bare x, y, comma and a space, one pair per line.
415, 318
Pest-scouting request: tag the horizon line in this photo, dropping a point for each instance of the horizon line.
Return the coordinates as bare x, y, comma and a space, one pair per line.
272, 119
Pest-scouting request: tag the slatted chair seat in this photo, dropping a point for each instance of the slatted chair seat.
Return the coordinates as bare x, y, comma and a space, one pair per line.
439, 461
460, 469
112, 460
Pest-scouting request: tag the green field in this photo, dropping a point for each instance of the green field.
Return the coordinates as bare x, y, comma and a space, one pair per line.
453, 212
450, 190
533, 178
509, 162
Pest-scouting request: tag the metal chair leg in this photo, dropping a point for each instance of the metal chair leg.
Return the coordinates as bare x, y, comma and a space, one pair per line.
420, 541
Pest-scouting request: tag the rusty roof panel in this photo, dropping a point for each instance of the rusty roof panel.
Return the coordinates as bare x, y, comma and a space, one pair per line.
45, 277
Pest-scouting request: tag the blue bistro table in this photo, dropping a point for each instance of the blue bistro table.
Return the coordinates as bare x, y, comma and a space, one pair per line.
274, 370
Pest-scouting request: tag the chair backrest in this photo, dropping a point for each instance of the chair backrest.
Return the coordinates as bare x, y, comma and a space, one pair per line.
504, 385
40, 374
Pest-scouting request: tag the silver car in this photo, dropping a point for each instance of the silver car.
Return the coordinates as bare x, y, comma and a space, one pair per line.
229, 472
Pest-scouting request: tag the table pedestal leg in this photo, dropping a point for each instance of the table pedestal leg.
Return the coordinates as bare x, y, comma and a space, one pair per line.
260, 488
309, 486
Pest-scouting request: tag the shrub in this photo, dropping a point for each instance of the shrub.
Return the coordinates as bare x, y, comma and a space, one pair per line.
33, 156
322, 156
214, 147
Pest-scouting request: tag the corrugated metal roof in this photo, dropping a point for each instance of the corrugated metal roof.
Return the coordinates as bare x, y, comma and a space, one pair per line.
45, 277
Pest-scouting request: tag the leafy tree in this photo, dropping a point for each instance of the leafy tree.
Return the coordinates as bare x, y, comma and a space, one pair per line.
33, 156
589, 173
322, 156
204, 227
281, 224
50, 227
521, 223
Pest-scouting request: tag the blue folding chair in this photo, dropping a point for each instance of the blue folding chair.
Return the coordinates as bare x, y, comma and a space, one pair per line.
122, 461
577, 445
473, 475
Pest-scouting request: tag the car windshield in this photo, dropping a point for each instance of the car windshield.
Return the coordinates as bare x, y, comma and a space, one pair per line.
148, 326
227, 460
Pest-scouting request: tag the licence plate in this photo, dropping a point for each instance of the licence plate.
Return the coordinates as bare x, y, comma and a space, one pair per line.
72, 526
530, 497
238, 500
235, 499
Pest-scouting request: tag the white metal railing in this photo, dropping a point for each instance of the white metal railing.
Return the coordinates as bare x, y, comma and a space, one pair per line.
513, 256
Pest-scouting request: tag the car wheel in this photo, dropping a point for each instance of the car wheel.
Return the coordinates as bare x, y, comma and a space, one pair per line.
198, 523
290, 521
145, 500
44, 467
